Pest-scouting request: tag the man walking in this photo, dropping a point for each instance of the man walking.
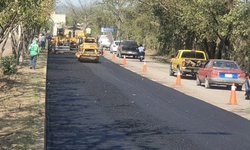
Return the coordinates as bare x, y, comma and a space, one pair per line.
34, 52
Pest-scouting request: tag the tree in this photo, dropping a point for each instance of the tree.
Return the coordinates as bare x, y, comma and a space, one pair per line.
22, 20
219, 27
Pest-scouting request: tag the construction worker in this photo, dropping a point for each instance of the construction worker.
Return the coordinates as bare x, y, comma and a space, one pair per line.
34, 52
42, 41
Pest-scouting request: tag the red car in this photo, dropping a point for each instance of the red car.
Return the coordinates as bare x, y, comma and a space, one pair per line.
221, 72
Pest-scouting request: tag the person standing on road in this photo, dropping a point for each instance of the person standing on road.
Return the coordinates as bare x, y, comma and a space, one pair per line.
43, 41
34, 52
247, 86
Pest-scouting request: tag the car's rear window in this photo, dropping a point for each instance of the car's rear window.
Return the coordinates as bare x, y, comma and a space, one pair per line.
225, 65
103, 37
130, 43
193, 54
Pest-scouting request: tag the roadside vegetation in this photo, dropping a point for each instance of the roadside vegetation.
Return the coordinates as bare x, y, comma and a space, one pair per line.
20, 21
219, 27
22, 91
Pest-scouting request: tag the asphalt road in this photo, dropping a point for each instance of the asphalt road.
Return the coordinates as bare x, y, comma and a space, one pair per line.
104, 106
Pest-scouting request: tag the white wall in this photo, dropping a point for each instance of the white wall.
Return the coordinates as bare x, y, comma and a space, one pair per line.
59, 21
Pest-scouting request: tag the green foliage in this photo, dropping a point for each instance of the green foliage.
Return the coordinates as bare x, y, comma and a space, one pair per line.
8, 64
220, 27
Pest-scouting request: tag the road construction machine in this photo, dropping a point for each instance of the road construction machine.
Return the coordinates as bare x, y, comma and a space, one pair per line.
60, 42
75, 36
88, 50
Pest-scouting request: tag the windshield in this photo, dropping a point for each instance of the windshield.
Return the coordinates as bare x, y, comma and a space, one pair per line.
225, 65
90, 40
130, 43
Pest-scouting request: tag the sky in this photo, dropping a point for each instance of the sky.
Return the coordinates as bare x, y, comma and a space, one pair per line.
75, 2
61, 4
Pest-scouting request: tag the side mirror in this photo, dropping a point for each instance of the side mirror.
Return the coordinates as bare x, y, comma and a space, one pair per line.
172, 56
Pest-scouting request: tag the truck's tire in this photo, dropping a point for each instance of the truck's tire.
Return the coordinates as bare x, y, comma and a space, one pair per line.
171, 72
198, 82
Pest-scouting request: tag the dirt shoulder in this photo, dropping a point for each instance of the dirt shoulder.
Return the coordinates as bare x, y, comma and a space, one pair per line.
22, 107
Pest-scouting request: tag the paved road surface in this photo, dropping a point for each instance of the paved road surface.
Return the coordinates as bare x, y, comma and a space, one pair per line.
217, 96
103, 106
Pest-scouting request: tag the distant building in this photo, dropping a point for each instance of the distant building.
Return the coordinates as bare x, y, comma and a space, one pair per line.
59, 21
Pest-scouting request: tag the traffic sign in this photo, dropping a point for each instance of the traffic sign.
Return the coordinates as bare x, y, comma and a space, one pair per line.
107, 30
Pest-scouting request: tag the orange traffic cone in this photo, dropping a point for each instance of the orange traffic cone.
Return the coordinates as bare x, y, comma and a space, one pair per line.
145, 67
178, 79
233, 98
124, 61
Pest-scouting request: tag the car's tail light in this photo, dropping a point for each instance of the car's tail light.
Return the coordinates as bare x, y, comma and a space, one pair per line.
214, 74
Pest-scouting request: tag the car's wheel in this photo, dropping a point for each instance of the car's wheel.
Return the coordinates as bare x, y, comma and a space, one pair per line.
198, 82
171, 72
194, 75
179, 71
207, 84
239, 87
229, 87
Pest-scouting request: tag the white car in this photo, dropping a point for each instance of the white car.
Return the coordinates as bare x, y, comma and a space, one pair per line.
104, 41
114, 46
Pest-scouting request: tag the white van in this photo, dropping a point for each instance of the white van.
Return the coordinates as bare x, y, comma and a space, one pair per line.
104, 41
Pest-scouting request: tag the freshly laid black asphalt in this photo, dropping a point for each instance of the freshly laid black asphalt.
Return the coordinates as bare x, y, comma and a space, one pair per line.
103, 106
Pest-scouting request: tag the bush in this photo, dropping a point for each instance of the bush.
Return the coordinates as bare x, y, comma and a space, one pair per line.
8, 64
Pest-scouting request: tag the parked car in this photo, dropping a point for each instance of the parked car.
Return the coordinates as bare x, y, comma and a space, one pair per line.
187, 62
114, 46
104, 41
128, 48
221, 72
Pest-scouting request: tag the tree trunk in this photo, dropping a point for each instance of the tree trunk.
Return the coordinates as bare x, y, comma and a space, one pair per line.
13, 44
218, 49
3, 46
